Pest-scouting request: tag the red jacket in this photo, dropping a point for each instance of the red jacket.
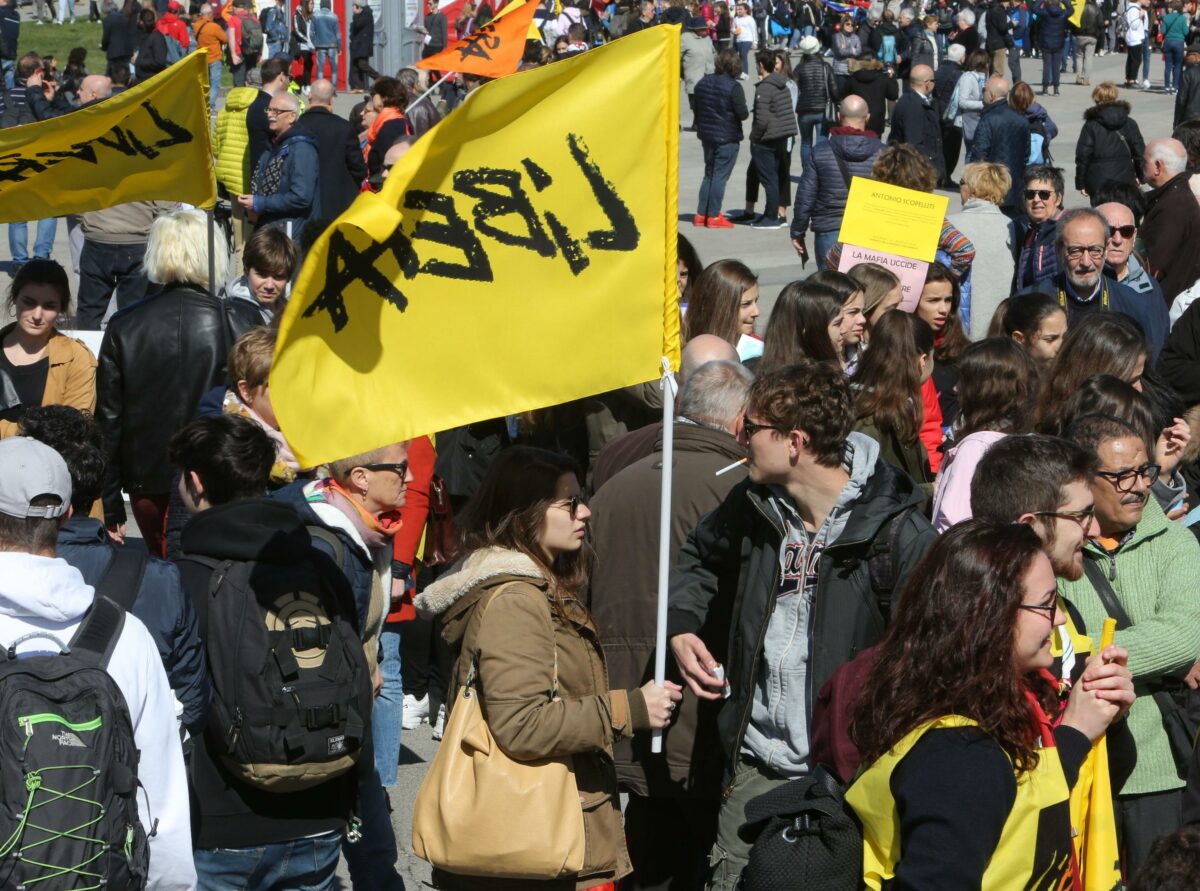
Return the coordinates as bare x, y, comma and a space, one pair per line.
173, 26
931, 427
412, 517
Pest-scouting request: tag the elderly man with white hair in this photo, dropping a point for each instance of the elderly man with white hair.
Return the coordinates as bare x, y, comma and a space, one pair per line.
286, 185
1171, 227
945, 79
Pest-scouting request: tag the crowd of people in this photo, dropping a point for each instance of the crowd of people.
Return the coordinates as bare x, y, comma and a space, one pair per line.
897, 525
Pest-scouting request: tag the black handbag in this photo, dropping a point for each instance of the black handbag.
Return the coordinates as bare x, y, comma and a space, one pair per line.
806, 838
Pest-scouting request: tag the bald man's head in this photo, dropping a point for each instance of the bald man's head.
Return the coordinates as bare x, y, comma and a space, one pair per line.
997, 88
94, 87
701, 349
321, 93
393, 155
853, 112
921, 78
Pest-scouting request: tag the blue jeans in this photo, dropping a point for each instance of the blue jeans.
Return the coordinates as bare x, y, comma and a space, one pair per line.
43, 243
1172, 63
812, 131
1051, 67
371, 860
66, 11
743, 47
274, 49
324, 53
214, 84
1147, 52
822, 242
9, 69
389, 708
718, 165
303, 864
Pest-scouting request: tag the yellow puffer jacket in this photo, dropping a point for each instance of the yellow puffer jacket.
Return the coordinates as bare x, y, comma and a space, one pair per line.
231, 141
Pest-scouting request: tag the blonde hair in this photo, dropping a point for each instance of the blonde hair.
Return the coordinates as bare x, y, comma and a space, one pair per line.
177, 251
251, 355
988, 181
875, 281
1105, 92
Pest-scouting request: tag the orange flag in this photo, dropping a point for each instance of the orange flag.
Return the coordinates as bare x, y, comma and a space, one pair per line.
493, 51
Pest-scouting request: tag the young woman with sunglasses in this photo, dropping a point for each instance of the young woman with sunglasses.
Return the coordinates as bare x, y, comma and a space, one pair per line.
969, 745
512, 609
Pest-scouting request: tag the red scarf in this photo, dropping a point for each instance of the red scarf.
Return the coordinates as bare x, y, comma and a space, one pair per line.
388, 114
1045, 728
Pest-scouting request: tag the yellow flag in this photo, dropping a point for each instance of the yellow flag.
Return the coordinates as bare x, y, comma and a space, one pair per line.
1092, 812
148, 143
533, 33
522, 254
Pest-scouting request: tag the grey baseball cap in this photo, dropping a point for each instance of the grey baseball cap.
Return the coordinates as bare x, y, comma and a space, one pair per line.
28, 470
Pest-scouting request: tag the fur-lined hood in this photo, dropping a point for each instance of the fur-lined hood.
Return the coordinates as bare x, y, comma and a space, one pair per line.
856, 65
475, 571
1112, 115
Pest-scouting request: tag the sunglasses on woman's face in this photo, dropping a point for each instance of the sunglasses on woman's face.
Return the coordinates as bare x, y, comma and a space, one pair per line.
1044, 194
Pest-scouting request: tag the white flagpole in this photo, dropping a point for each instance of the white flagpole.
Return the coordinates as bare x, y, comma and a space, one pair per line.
664, 539
427, 92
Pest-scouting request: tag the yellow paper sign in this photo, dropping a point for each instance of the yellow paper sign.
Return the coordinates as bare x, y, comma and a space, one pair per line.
521, 255
148, 143
889, 218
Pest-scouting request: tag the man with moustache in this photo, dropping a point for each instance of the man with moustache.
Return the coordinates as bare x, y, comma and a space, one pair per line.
1144, 565
1081, 242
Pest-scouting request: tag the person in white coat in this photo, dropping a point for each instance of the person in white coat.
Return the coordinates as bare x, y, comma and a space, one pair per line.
41, 593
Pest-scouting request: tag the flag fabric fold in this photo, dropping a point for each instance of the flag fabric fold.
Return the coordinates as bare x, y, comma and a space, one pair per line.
493, 50
520, 255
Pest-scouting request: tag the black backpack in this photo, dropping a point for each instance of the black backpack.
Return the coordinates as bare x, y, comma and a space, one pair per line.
252, 38
68, 765
291, 687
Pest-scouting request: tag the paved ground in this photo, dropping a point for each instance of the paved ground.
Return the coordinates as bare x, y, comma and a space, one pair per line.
770, 254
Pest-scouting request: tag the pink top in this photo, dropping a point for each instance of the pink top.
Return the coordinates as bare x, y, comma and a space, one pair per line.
952, 491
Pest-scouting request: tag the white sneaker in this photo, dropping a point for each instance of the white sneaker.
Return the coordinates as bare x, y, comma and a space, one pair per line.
1145, 85
440, 724
415, 711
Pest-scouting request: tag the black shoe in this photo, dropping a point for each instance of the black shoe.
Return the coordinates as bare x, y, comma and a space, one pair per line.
741, 216
768, 223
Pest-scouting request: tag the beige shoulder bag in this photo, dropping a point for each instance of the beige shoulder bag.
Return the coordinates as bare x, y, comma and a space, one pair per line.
481, 813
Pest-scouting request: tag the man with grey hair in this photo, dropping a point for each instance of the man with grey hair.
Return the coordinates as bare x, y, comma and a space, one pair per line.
671, 819
1002, 137
965, 33
850, 151
1171, 226
1081, 287
286, 186
343, 167
945, 79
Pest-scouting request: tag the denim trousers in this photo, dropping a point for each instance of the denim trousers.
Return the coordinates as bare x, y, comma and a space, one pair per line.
1172, 63
389, 707
43, 242
331, 54
214, 84
371, 861
718, 165
822, 242
66, 11
743, 48
303, 864
812, 132
1051, 67
102, 269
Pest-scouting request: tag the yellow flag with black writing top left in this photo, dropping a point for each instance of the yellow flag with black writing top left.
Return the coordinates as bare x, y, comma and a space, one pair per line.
148, 143
521, 255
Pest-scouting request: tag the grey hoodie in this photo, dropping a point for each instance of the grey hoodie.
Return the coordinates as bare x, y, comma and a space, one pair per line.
777, 734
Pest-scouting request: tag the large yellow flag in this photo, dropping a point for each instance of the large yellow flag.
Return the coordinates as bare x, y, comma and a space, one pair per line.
148, 143
522, 254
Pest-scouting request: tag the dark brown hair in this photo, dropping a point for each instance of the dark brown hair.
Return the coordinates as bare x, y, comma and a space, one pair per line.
953, 339
39, 271
949, 649
799, 326
729, 62
1100, 343
904, 166
715, 300
809, 396
269, 251
997, 387
888, 383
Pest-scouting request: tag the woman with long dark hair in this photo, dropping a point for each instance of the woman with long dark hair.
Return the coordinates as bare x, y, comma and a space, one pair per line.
511, 612
887, 391
854, 317
1102, 343
1037, 323
970, 754
938, 306
997, 386
806, 323
723, 300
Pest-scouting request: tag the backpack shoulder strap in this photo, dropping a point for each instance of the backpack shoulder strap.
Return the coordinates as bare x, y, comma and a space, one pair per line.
883, 560
97, 635
122, 577
338, 546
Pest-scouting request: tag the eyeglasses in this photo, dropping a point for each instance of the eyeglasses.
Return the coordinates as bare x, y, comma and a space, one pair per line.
1083, 517
1044, 194
1125, 479
1075, 251
1126, 232
571, 505
750, 428
1049, 610
400, 468
278, 111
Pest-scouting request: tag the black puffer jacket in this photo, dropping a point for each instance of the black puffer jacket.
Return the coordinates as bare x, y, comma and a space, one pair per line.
740, 541
1187, 100
1110, 147
362, 34
822, 193
157, 359
869, 80
815, 82
774, 117
720, 109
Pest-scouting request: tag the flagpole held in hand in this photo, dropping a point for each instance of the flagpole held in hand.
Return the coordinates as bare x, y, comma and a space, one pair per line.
427, 92
664, 538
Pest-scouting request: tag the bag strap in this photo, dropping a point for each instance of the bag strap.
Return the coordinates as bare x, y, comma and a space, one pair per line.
122, 577
1104, 590
473, 671
842, 166
883, 561
96, 637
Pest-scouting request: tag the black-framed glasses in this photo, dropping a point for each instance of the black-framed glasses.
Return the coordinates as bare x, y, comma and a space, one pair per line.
1123, 481
400, 467
750, 428
1095, 251
571, 505
1044, 194
1083, 517
279, 110
1126, 232
1048, 610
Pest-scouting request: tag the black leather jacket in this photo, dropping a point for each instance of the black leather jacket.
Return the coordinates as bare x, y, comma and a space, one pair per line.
157, 359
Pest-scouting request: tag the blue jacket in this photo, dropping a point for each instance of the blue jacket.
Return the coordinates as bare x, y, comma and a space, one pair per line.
297, 198
720, 109
1002, 137
324, 29
1149, 312
823, 190
162, 606
1052, 25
